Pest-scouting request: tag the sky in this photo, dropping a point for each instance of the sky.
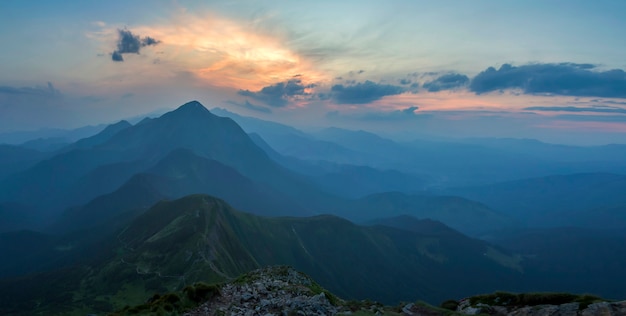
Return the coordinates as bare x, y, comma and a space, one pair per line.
549, 70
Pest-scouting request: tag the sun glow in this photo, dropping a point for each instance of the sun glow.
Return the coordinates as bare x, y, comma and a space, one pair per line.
225, 53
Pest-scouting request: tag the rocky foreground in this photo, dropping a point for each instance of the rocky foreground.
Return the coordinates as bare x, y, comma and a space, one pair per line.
567, 309
284, 291
270, 291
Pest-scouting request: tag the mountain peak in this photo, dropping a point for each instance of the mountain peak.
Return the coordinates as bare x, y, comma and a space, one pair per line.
192, 107
192, 110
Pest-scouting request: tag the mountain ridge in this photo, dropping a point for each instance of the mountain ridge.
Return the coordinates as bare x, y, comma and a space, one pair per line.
201, 238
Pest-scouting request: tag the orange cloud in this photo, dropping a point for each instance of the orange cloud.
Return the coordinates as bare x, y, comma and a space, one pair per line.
224, 53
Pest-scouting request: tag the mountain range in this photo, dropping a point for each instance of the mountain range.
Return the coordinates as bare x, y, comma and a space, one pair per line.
112, 218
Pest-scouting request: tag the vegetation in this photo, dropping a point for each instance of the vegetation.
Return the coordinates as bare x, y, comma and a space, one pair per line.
450, 305
174, 303
534, 299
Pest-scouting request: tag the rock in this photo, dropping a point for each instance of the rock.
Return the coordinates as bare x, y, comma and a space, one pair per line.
246, 297
273, 291
605, 308
568, 309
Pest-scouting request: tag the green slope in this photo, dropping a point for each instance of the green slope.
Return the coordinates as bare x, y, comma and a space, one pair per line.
201, 238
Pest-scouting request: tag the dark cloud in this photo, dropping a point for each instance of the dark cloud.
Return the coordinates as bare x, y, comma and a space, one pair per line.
560, 79
129, 43
363, 92
355, 72
48, 91
278, 95
447, 82
576, 109
147, 41
115, 56
251, 106
404, 81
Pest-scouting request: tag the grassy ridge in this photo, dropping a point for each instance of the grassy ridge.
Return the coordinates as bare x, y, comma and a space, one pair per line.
201, 238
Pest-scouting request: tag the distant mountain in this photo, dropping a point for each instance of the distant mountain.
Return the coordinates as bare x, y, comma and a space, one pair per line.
14, 159
17, 216
103, 136
193, 127
553, 200
178, 174
187, 173
254, 125
469, 217
99, 165
446, 163
113, 210
571, 259
358, 181
50, 144
26, 253
365, 142
292, 142
423, 226
54, 134
201, 238
588, 155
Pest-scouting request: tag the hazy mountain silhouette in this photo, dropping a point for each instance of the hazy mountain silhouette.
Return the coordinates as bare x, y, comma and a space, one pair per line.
446, 162
570, 258
83, 173
17, 158
464, 215
179, 173
124, 226
554, 200
101, 137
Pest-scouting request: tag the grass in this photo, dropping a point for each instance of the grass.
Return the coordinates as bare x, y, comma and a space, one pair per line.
317, 289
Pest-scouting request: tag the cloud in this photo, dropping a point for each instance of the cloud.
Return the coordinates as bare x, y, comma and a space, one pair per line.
355, 72
147, 41
278, 95
592, 118
576, 109
447, 82
363, 92
395, 115
251, 106
129, 43
611, 102
47, 91
560, 79
115, 56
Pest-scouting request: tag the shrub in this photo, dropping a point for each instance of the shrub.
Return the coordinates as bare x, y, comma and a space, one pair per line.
450, 305
534, 299
200, 292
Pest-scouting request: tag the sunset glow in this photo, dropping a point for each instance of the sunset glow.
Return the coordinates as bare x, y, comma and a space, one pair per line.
275, 61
